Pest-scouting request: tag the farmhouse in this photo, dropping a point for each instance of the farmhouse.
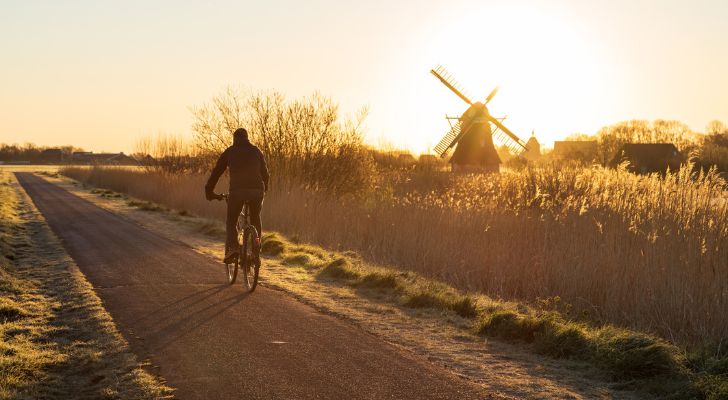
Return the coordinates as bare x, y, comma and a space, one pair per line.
88, 157
406, 159
428, 159
645, 158
51, 156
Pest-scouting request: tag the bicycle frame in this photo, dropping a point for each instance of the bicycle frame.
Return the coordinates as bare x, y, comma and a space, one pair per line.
244, 217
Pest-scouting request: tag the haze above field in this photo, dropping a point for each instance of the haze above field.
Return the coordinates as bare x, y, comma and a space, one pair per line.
100, 74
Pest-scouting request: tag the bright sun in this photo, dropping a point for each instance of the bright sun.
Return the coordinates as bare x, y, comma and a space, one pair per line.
550, 73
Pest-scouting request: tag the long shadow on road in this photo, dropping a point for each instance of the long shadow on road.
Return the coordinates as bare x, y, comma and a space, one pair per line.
176, 319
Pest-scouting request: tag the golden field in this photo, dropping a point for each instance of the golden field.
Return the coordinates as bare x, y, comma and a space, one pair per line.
644, 252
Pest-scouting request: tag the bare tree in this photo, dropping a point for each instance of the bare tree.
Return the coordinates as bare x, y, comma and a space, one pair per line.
715, 127
215, 122
612, 137
303, 139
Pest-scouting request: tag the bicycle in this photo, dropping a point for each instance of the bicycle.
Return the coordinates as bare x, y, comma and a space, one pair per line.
248, 259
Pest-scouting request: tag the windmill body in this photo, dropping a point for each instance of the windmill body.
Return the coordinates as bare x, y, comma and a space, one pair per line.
475, 133
475, 149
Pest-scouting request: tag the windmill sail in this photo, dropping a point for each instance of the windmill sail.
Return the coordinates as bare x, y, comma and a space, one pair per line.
491, 95
505, 137
441, 73
448, 140
477, 111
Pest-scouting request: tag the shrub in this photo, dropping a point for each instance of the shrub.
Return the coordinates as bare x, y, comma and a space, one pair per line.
340, 268
271, 245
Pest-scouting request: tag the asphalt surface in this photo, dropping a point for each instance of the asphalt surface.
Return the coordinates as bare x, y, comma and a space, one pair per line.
210, 340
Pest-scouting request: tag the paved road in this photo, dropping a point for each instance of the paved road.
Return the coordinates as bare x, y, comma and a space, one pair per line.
212, 341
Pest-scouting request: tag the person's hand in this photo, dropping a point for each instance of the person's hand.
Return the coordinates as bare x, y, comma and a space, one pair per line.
219, 197
210, 196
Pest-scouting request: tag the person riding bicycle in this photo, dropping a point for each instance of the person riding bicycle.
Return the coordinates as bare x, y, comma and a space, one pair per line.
248, 183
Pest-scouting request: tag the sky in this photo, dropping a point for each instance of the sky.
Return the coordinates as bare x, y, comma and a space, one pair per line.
102, 74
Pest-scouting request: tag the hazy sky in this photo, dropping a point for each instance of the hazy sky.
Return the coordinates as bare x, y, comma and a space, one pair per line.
101, 74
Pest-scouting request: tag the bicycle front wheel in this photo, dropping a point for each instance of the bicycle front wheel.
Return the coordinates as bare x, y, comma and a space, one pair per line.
250, 262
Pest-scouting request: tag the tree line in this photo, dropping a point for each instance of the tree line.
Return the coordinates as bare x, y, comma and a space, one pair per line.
305, 140
706, 149
31, 153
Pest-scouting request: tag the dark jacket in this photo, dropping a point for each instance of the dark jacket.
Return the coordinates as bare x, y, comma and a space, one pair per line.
247, 168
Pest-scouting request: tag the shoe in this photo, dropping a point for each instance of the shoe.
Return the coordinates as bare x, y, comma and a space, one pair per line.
231, 257
256, 251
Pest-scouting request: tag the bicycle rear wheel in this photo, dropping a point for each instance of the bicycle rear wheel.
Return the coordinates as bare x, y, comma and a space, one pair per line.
250, 263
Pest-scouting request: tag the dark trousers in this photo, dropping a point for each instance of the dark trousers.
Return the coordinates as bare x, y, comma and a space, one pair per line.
254, 198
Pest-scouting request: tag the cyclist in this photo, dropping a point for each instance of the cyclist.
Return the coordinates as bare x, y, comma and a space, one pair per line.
248, 183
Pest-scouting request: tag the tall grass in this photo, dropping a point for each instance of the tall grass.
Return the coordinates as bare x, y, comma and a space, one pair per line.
177, 191
643, 252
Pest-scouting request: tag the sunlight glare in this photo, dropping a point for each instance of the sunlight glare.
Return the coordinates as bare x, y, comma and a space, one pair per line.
548, 70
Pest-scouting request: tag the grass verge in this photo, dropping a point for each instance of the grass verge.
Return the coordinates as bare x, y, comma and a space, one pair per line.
640, 361
56, 339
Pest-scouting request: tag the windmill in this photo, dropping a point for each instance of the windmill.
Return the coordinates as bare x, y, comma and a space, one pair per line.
472, 134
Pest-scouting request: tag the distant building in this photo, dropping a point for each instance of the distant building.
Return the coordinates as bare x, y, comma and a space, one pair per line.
406, 159
51, 156
586, 150
533, 148
88, 157
645, 158
147, 160
82, 157
120, 159
428, 159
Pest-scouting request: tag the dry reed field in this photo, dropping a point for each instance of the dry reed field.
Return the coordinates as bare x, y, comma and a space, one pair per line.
642, 252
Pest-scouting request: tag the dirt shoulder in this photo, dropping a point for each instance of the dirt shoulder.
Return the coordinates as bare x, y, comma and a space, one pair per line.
441, 336
56, 339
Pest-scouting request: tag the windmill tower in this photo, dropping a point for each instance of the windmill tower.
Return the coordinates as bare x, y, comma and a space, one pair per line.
475, 133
